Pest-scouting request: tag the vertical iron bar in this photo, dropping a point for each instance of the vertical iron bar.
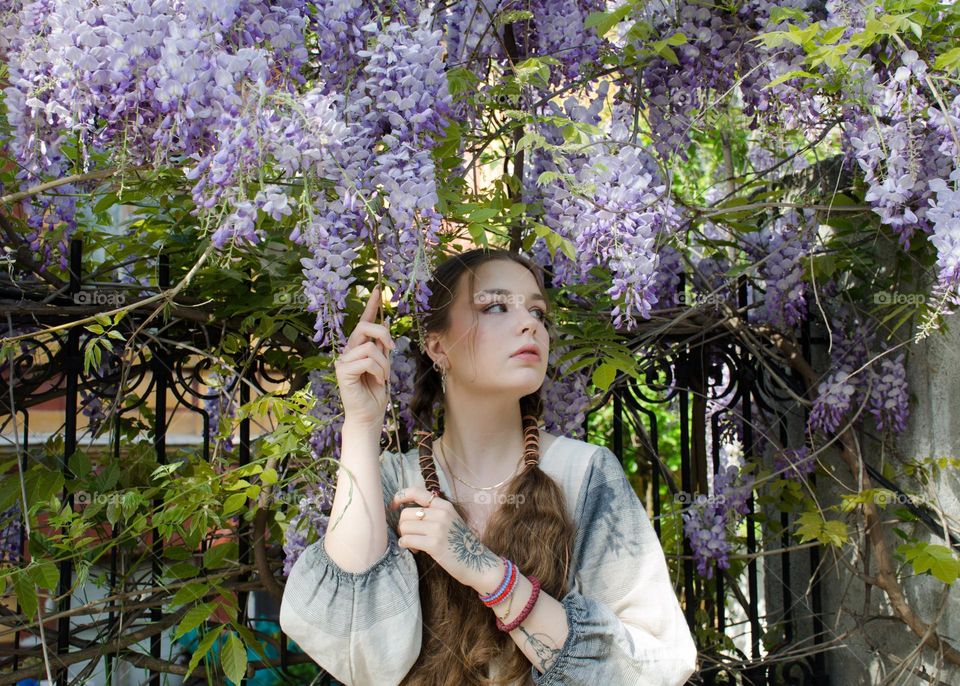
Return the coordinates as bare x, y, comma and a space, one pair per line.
748, 452
72, 367
785, 585
682, 378
244, 531
161, 371
819, 660
22, 539
114, 534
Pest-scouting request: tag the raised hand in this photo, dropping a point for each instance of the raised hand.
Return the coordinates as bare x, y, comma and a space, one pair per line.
363, 368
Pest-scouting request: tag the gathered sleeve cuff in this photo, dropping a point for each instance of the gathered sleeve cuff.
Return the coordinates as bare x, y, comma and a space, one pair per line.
361, 627
625, 622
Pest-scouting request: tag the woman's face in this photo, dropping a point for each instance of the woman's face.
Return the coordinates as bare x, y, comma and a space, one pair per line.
504, 312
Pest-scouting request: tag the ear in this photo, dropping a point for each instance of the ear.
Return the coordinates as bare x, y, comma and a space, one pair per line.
434, 349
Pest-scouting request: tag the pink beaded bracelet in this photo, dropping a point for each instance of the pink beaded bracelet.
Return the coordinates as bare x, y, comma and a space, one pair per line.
526, 608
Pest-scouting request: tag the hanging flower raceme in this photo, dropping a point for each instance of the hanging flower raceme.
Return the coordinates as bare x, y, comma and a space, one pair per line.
708, 519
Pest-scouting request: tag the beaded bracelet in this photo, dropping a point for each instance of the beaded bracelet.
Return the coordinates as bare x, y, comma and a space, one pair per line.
526, 609
505, 587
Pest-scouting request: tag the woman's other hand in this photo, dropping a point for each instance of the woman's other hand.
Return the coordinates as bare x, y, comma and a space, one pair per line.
444, 536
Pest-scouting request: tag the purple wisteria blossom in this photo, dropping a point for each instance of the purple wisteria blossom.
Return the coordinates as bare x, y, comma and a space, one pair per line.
835, 397
780, 250
794, 463
139, 81
565, 396
944, 216
898, 143
889, 396
221, 389
403, 369
708, 519
308, 524
10, 531
325, 439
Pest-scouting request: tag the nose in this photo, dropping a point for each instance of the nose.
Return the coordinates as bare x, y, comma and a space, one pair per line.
528, 322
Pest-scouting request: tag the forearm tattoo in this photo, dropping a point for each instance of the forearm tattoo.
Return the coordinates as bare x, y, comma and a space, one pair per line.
545, 654
469, 550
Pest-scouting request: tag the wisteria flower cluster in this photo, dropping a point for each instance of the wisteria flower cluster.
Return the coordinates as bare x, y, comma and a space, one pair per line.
325, 440
856, 379
138, 81
308, 524
565, 396
615, 221
895, 140
794, 463
221, 390
780, 249
707, 521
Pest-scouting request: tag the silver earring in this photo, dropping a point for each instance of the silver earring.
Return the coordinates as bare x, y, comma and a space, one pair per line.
443, 376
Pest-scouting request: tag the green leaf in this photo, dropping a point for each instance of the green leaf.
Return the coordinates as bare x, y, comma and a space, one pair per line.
811, 526
189, 593
165, 470
234, 503
931, 558
948, 61
79, 464
233, 659
182, 570
45, 574
26, 593
604, 21
269, 476
218, 555
195, 616
510, 16
205, 644
604, 375
779, 14
483, 214
795, 74
252, 643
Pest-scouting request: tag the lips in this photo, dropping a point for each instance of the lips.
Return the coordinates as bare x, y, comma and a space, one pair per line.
527, 350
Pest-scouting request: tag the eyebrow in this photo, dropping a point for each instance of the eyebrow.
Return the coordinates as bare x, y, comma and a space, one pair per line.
503, 291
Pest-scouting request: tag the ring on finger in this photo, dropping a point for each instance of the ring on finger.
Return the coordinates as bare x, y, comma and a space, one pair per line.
420, 513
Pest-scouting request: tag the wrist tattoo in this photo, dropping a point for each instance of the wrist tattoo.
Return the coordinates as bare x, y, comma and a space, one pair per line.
469, 550
546, 655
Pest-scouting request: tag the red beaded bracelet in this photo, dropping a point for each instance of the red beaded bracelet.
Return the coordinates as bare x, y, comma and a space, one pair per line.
508, 589
526, 608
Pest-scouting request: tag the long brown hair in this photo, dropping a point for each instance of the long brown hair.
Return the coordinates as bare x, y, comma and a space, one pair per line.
460, 636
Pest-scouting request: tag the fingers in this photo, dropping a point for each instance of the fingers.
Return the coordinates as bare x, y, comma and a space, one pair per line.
357, 368
368, 350
372, 331
414, 542
413, 495
373, 304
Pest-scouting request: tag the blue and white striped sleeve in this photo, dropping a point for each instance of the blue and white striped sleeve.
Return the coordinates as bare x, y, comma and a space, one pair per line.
625, 622
363, 627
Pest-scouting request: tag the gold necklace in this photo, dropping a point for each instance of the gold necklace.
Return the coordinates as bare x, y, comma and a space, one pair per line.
477, 488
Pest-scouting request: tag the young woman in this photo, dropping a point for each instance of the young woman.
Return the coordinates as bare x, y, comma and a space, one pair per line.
493, 552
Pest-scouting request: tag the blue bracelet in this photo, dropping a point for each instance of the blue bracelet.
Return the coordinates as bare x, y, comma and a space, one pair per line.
503, 584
